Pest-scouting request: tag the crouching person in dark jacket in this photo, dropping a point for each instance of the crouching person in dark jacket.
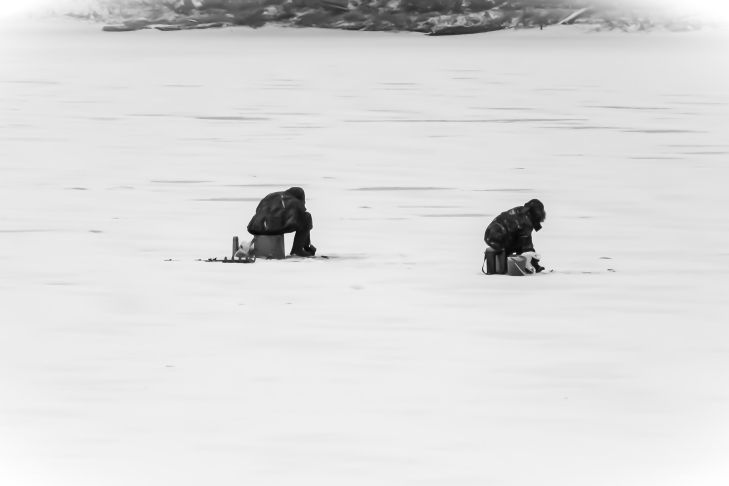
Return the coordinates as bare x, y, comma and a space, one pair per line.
511, 231
285, 212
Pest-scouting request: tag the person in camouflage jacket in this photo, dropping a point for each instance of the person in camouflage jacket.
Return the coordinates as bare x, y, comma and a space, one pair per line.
511, 231
285, 212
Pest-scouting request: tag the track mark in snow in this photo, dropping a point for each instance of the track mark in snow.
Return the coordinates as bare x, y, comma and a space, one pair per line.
156, 115
454, 215
701, 103
33, 139
178, 181
637, 108
505, 190
230, 199
201, 117
705, 153
302, 127
33, 81
697, 146
503, 108
402, 188
231, 118
556, 89
420, 206
475, 120
584, 127
257, 185
662, 130
30, 230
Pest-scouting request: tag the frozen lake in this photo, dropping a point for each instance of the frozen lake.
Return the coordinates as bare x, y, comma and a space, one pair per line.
395, 362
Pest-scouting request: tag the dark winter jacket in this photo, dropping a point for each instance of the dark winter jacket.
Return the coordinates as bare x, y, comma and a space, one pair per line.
511, 230
281, 212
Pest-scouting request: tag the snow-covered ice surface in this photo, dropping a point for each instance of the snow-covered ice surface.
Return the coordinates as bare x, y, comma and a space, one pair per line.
395, 362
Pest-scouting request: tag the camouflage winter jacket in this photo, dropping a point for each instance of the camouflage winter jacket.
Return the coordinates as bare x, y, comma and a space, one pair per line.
281, 212
512, 230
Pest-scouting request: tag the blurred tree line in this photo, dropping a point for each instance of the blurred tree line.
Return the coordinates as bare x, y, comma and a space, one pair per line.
431, 16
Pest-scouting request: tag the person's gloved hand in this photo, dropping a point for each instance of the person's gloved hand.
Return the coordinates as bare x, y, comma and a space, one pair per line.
537, 267
533, 261
529, 257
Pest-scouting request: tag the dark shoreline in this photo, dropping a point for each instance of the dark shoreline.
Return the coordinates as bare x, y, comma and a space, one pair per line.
432, 17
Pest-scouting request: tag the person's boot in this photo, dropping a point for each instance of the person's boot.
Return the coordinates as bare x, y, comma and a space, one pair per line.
302, 245
302, 252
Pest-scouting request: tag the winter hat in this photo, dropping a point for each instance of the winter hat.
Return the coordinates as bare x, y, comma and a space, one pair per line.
537, 212
298, 193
